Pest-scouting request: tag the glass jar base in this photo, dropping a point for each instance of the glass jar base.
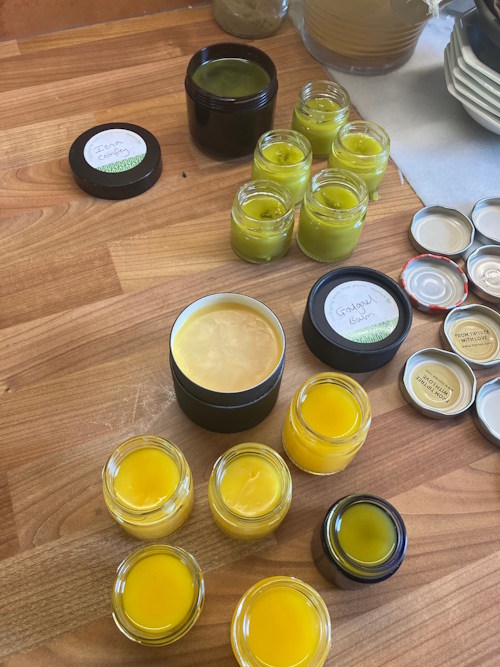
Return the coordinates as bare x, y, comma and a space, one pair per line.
322, 259
255, 260
310, 472
361, 66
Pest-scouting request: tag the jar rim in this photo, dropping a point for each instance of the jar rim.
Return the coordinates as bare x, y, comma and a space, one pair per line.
239, 623
354, 388
271, 456
270, 188
326, 89
336, 176
135, 443
288, 136
126, 625
368, 128
335, 552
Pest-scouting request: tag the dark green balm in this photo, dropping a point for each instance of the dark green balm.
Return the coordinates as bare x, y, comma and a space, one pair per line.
231, 77
230, 94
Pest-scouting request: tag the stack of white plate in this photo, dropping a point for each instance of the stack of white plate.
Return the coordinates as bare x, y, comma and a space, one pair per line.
472, 71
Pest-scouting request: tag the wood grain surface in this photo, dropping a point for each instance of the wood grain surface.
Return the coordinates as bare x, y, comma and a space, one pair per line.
89, 290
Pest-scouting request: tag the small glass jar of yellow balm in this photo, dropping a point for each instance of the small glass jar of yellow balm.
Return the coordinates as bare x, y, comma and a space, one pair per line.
158, 594
327, 422
321, 109
262, 221
250, 491
285, 157
362, 147
148, 487
332, 215
281, 621
362, 540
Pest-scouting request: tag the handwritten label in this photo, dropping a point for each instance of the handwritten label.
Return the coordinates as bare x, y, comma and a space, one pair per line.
115, 150
361, 311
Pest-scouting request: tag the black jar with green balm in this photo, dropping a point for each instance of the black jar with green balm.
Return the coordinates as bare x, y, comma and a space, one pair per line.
230, 94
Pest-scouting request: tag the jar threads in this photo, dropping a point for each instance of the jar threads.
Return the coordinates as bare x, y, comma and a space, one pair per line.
327, 423
262, 221
157, 495
374, 549
285, 157
321, 109
332, 215
250, 491
281, 620
154, 572
362, 147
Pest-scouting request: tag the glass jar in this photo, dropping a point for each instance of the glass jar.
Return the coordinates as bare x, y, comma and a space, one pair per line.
363, 148
281, 621
250, 491
250, 19
364, 36
362, 540
262, 221
322, 107
327, 422
332, 215
157, 595
148, 487
285, 157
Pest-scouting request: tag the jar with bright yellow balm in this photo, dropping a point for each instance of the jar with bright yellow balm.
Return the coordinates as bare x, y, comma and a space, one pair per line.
157, 595
262, 221
250, 491
332, 215
281, 622
362, 540
321, 109
362, 147
148, 487
285, 157
327, 422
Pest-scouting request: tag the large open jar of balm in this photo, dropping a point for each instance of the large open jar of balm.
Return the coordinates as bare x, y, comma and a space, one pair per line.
230, 95
227, 355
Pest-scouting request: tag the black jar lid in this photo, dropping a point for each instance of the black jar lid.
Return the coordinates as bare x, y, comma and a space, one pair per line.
356, 318
116, 160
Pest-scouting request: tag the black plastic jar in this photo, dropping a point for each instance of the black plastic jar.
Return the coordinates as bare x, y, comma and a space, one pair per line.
229, 126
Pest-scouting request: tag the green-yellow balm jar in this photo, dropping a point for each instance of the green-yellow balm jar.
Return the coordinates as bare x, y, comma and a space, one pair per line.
285, 157
262, 221
332, 215
362, 147
362, 540
321, 109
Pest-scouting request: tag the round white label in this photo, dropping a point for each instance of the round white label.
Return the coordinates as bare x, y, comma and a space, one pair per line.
361, 311
115, 150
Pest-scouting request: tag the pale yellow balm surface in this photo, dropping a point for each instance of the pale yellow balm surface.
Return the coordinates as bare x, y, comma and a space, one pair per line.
227, 347
145, 479
250, 486
283, 628
331, 411
159, 592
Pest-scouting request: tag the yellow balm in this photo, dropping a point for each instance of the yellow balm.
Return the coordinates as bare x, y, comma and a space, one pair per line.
327, 423
283, 622
158, 594
146, 478
227, 347
367, 534
321, 109
285, 157
147, 487
250, 491
363, 148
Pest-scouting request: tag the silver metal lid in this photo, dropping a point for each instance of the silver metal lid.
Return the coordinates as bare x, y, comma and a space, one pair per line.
486, 219
483, 269
437, 383
473, 332
487, 413
441, 230
434, 283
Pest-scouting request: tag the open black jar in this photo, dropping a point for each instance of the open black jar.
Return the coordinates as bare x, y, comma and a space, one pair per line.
230, 94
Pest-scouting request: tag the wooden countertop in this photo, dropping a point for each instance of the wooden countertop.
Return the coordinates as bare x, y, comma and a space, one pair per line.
88, 292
